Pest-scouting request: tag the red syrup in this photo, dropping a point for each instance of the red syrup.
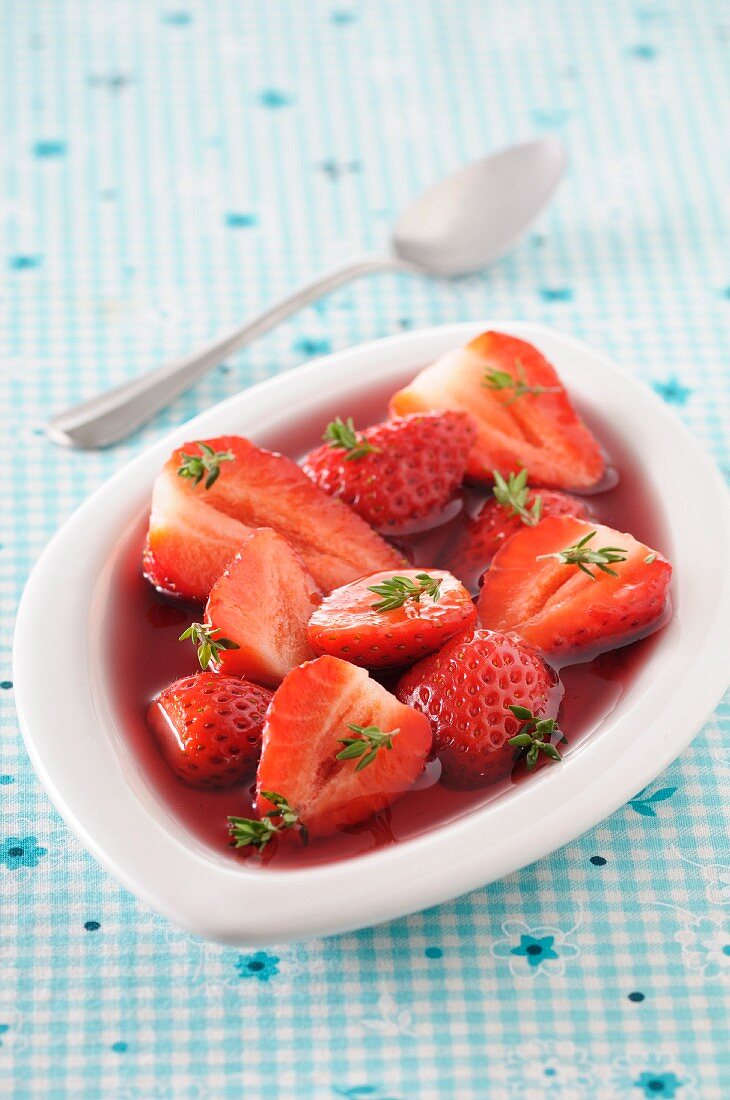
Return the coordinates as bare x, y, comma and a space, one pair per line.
146, 656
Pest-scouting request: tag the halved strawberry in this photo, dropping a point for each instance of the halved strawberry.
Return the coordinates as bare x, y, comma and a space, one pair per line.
188, 543
513, 506
262, 603
467, 691
387, 620
337, 747
397, 473
198, 523
523, 414
574, 588
208, 728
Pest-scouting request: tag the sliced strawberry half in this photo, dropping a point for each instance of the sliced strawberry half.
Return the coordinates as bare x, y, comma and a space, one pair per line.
388, 620
188, 543
397, 473
318, 733
208, 728
198, 525
574, 588
514, 506
262, 603
523, 414
467, 691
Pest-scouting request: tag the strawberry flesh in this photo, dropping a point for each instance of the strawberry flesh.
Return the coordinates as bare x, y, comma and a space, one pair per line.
537, 431
347, 624
465, 690
495, 525
195, 531
208, 728
263, 602
308, 718
417, 464
188, 543
566, 614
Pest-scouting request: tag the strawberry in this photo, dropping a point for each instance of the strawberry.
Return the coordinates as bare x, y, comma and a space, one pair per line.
211, 493
468, 690
208, 728
188, 543
337, 748
394, 474
262, 603
386, 620
574, 588
513, 506
523, 414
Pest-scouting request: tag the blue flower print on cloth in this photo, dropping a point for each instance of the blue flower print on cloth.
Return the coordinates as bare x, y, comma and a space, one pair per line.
673, 391
259, 965
534, 951
659, 1084
716, 877
652, 1074
706, 947
16, 852
550, 1069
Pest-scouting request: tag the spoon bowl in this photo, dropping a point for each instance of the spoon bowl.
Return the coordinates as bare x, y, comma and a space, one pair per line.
474, 217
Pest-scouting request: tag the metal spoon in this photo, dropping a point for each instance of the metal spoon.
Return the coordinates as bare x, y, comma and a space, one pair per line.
469, 220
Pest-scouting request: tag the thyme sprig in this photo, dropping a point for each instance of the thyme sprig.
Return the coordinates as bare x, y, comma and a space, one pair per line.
582, 555
209, 647
257, 832
534, 737
366, 744
207, 462
341, 434
502, 380
396, 590
514, 494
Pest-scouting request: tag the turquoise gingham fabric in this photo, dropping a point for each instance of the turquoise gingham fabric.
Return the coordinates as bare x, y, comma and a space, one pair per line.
169, 167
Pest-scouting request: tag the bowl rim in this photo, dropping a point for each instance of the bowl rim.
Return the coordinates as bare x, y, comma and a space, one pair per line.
94, 789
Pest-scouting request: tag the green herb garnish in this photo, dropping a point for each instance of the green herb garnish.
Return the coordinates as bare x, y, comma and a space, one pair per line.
502, 380
514, 494
535, 735
365, 746
207, 462
257, 832
582, 555
397, 590
209, 648
341, 434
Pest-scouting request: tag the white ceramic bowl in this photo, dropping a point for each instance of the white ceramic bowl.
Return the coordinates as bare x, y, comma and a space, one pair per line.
77, 741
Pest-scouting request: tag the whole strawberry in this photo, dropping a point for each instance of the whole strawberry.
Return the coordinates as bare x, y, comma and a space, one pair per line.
208, 728
398, 473
482, 691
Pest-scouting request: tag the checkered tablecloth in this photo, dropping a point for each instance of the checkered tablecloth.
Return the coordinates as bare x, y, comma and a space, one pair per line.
169, 167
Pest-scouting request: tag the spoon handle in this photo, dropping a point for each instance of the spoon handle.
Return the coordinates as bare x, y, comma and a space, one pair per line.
112, 416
